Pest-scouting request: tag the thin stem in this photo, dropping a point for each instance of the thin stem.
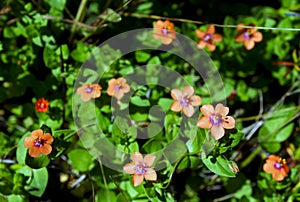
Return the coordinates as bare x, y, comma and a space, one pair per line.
78, 17
104, 178
250, 158
118, 187
156, 17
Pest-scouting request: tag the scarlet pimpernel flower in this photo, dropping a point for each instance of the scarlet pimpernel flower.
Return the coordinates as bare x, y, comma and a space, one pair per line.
276, 166
88, 91
216, 120
38, 143
140, 167
164, 31
248, 36
208, 38
41, 105
185, 100
117, 87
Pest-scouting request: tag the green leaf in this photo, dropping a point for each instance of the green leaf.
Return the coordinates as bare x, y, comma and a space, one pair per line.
15, 198
136, 100
165, 103
142, 56
195, 144
39, 182
21, 150
217, 165
39, 162
110, 15
81, 160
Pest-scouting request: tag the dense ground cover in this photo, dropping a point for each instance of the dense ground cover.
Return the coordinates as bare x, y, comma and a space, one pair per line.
149, 100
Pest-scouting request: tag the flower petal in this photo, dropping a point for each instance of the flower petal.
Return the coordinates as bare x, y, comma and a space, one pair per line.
119, 94
217, 132
37, 133
249, 44
34, 152
207, 110
188, 110
176, 106
240, 26
278, 176
240, 37
48, 138
221, 109
129, 168
228, 122
149, 159
268, 167
211, 47
204, 122
46, 149
210, 29
125, 88
137, 157
200, 34
257, 36
112, 82
176, 94
166, 40
110, 90
201, 44
217, 37
188, 90
29, 142
137, 179
150, 174
195, 100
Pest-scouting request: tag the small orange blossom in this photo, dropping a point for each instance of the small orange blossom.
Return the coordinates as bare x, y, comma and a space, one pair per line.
164, 31
208, 38
248, 36
216, 120
41, 105
88, 91
117, 87
38, 143
276, 166
140, 168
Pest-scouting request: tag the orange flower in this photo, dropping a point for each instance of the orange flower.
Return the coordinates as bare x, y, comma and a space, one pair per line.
38, 143
185, 100
140, 168
216, 120
164, 31
208, 38
248, 36
276, 166
41, 105
117, 87
88, 91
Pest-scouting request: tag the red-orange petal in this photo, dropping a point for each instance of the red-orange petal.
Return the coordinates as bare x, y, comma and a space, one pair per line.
129, 168
257, 36
229, 122
149, 159
210, 29
29, 142
217, 37
217, 132
207, 110
188, 90
150, 174
137, 157
37, 133
188, 110
249, 44
201, 44
195, 100
48, 138
240, 37
221, 109
200, 34
176, 94
176, 106
34, 152
137, 179
211, 47
46, 149
204, 122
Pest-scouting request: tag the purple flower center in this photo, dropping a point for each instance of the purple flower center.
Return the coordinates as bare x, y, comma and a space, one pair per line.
216, 119
207, 37
184, 101
164, 31
39, 143
117, 87
88, 90
278, 165
247, 36
141, 169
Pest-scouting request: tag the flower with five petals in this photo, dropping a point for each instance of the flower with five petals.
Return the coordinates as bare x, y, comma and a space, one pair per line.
185, 100
216, 120
88, 91
38, 143
276, 166
140, 167
117, 87
248, 36
41, 105
164, 31
208, 38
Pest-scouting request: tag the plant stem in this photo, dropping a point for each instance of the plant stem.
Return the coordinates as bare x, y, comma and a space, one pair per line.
250, 158
78, 17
